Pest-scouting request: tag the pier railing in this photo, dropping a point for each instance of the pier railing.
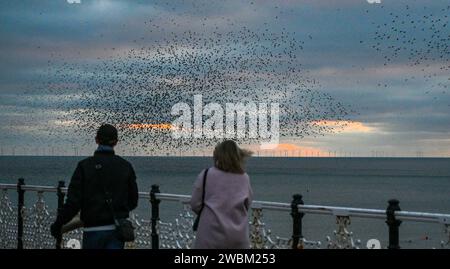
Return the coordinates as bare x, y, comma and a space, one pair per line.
25, 226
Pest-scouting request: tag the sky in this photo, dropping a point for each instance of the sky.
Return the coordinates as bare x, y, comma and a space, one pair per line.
387, 62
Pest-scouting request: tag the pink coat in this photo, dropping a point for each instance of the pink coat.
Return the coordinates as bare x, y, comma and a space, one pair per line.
224, 220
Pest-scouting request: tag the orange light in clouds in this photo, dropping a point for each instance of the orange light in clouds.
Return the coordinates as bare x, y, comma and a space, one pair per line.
292, 150
159, 126
345, 126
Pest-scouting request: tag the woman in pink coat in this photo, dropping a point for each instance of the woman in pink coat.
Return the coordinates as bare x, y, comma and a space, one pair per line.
224, 219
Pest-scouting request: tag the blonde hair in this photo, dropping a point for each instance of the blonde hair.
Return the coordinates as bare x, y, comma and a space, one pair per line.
229, 157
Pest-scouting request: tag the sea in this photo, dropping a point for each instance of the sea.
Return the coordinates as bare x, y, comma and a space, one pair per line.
420, 184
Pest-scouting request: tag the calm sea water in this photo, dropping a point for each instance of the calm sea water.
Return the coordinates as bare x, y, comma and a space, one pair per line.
419, 184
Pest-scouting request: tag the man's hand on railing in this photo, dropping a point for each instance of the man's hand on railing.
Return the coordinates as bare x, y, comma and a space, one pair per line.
55, 229
74, 224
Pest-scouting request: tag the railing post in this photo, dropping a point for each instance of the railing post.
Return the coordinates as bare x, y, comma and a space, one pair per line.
20, 206
155, 215
297, 217
393, 224
61, 195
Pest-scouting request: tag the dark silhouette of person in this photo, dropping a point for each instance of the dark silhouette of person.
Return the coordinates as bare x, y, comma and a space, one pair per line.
87, 194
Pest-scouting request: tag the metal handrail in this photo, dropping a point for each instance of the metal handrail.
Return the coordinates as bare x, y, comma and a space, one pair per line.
393, 215
8, 186
329, 210
423, 217
309, 209
39, 188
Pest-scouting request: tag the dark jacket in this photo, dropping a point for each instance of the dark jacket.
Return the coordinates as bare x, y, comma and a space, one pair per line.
86, 192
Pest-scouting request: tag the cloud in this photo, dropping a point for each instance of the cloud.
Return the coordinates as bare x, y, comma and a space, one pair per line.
345, 126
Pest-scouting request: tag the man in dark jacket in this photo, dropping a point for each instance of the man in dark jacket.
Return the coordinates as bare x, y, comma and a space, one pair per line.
87, 193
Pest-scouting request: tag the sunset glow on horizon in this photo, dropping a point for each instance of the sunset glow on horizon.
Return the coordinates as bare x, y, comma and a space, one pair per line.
156, 126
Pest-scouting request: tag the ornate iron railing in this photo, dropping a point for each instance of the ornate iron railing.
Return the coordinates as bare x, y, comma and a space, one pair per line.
28, 227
